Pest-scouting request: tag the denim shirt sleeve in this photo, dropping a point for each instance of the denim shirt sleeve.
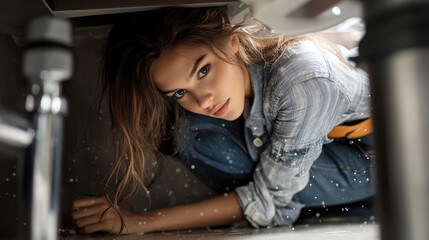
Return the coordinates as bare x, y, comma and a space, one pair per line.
307, 111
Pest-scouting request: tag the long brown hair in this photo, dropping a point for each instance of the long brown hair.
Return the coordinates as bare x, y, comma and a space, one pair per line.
142, 116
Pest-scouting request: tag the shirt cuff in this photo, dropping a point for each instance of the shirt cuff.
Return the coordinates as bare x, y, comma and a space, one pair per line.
259, 213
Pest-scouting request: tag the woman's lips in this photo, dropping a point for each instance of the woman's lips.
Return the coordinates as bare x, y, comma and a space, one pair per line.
221, 109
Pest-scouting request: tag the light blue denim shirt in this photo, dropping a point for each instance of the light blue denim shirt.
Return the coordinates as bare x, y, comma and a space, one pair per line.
297, 101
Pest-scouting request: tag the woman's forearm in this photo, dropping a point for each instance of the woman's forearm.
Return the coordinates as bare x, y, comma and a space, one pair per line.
217, 211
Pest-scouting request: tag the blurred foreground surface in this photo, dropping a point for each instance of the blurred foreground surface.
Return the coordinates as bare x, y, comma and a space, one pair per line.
349, 231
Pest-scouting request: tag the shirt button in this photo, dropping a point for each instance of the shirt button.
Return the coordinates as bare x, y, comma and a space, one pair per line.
257, 142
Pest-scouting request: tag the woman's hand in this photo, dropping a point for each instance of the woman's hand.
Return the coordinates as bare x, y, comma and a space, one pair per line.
88, 215
95, 214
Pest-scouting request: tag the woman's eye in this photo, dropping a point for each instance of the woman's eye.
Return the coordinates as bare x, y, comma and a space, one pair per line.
179, 93
203, 71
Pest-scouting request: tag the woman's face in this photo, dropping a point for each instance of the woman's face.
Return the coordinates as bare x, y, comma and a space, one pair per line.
201, 82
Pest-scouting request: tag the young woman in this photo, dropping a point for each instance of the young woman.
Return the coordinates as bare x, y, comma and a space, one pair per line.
251, 117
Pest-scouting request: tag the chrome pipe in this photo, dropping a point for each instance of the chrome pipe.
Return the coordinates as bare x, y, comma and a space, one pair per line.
47, 63
395, 50
14, 135
46, 178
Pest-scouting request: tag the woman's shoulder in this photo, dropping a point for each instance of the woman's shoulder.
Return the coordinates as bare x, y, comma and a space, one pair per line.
303, 60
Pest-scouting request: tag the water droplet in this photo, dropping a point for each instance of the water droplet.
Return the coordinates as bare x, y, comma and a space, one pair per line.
367, 179
223, 124
13, 174
311, 184
293, 229
336, 184
192, 166
178, 170
228, 157
317, 214
230, 161
225, 194
315, 197
71, 180
7, 179
140, 223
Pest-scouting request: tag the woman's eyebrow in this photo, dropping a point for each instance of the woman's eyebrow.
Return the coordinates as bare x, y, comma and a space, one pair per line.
197, 62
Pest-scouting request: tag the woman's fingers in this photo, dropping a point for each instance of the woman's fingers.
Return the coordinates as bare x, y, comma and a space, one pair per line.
89, 211
84, 222
95, 214
87, 202
110, 222
93, 224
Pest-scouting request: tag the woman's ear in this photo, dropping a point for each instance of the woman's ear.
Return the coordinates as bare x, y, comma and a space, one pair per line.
234, 43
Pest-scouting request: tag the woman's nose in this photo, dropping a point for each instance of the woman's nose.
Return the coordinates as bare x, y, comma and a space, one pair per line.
204, 100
